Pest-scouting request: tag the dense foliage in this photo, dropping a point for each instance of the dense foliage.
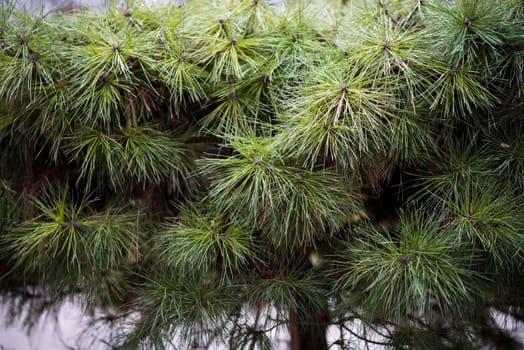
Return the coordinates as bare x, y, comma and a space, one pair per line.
214, 172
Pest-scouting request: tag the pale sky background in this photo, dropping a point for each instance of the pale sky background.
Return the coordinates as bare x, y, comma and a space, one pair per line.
69, 330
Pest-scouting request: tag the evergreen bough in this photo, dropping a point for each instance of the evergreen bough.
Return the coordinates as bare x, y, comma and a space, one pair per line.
215, 172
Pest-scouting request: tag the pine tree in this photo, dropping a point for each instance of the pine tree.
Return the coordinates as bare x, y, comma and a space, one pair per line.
214, 171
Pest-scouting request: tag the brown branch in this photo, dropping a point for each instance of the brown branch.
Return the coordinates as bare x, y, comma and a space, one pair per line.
294, 330
388, 14
131, 104
412, 12
363, 338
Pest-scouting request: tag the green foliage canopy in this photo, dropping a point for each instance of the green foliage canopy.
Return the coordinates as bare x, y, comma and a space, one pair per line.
220, 170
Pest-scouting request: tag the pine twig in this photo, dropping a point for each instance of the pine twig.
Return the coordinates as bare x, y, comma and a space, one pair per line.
396, 21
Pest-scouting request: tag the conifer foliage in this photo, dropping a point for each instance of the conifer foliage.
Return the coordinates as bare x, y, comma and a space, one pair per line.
218, 172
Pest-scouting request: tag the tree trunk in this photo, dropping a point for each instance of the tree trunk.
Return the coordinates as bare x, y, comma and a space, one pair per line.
310, 334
